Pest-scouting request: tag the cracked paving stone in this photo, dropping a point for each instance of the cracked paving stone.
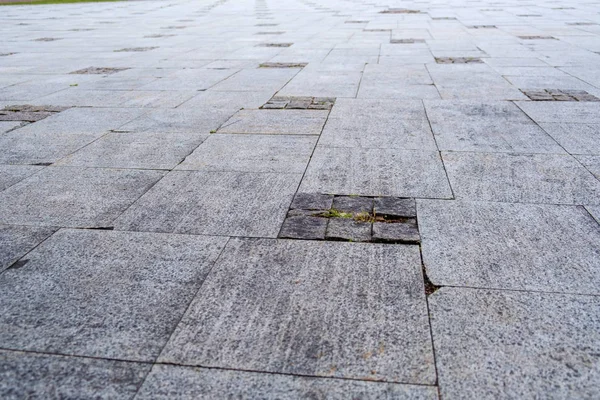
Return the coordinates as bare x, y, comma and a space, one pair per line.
353, 204
103, 293
303, 227
309, 319
393, 207
33, 376
348, 229
312, 201
397, 232
503, 344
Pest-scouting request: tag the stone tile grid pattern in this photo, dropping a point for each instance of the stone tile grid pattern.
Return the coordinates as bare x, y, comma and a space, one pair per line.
448, 103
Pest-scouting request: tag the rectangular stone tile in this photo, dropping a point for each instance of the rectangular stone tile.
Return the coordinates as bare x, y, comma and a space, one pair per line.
510, 246
30, 375
548, 82
75, 197
576, 138
190, 79
16, 241
167, 382
561, 112
495, 344
256, 80
103, 294
155, 99
486, 126
143, 150
269, 305
380, 81
521, 178
376, 172
252, 153
214, 203
12, 174
273, 122
323, 84
198, 121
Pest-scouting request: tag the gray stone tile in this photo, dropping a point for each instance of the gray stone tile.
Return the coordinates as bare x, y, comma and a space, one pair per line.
214, 203
376, 172
167, 382
562, 112
145, 150
405, 232
487, 126
348, 229
6, 126
319, 320
252, 153
510, 246
304, 227
103, 294
495, 344
256, 80
29, 376
16, 241
592, 163
594, 211
521, 178
11, 174
321, 83
574, 137
75, 197
276, 122
199, 122
190, 79
408, 82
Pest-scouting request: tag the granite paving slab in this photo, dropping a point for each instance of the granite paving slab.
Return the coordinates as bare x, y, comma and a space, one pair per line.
214, 203
16, 241
376, 172
276, 122
510, 246
521, 178
263, 308
167, 382
30, 375
575, 138
251, 153
562, 112
11, 174
75, 197
103, 294
503, 344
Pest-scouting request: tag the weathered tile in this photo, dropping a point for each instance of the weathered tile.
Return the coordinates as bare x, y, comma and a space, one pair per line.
16, 241
592, 163
103, 294
562, 112
376, 172
11, 174
521, 178
75, 197
251, 153
486, 126
310, 332
348, 229
353, 204
393, 207
135, 150
397, 232
273, 122
510, 246
322, 83
312, 201
6, 126
214, 203
498, 344
165, 382
262, 79
29, 375
178, 120
576, 138
305, 227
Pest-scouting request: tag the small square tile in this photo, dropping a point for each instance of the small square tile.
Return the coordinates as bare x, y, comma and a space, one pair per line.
312, 201
311, 302
303, 227
394, 207
397, 232
348, 229
11, 174
353, 204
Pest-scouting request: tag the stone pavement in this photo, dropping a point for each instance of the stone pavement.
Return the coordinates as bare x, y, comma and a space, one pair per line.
295, 199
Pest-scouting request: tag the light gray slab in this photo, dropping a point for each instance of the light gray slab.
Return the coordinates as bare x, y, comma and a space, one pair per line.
320, 83
510, 246
273, 122
269, 305
6, 126
380, 81
214, 203
497, 344
592, 163
144, 150
12, 174
103, 294
487, 126
15, 241
378, 110
198, 121
562, 112
574, 137
261, 79
521, 178
167, 382
155, 99
76, 197
29, 376
252, 153
376, 172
